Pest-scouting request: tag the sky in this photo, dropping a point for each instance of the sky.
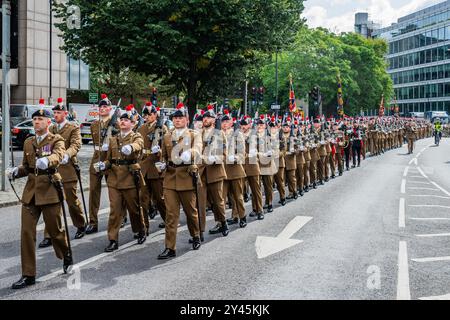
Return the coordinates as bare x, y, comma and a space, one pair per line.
339, 15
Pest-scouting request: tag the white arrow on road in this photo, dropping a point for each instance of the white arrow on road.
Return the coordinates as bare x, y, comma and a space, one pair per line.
266, 246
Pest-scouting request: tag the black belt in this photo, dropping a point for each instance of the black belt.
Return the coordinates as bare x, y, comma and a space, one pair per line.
123, 162
171, 164
40, 172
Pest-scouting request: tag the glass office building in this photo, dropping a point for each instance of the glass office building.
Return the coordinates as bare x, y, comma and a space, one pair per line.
419, 59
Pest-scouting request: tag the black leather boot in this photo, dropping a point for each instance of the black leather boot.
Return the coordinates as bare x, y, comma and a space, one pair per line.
113, 245
23, 282
166, 254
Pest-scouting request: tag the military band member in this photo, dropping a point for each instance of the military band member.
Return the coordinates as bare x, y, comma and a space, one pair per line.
42, 155
356, 137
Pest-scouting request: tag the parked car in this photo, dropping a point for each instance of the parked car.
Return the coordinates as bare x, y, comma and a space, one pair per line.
20, 132
85, 130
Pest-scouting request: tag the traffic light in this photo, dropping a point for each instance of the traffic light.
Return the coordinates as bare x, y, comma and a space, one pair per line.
261, 95
154, 99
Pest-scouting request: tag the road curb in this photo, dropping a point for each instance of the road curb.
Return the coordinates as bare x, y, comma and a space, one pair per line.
15, 203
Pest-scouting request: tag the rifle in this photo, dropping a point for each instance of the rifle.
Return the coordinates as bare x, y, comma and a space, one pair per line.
137, 184
195, 182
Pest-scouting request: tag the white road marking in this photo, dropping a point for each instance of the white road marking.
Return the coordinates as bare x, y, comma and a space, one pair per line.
419, 182
401, 213
428, 206
423, 149
429, 195
41, 226
153, 237
266, 246
442, 189
421, 188
413, 160
432, 259
443, 297
417, 177
422, 173
403, 291
430, 235
402, 187
431, 219
405, 172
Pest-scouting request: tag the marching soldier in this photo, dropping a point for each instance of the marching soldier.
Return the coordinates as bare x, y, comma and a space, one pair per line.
314, 158
307, 156
72, 140
299, 159
340, 144
152, 132
410, 131
280, 150
212, 172
252, 169
356, 137
290, 159
101, 130
124, 181
233, 183
266, 162
181, 152
42, 155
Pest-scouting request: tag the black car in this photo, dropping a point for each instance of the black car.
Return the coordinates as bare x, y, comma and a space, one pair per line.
21, 131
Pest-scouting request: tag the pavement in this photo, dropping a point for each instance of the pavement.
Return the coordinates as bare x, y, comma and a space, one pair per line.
380, 232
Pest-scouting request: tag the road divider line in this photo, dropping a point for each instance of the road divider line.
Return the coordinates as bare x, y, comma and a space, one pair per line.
431, 219
405, 172
428, 195
403, 291
422, 188
402, 187
430, 235
442, 189
401, 213
432, 259
428, 206
419, 182
422, 173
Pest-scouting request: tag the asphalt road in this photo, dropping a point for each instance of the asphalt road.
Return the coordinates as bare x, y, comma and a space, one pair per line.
380, 231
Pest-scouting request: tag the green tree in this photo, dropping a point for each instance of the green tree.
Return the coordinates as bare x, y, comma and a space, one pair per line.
203, 47
317, 57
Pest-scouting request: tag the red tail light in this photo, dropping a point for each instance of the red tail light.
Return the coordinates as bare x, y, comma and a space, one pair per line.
81, 125
15, 130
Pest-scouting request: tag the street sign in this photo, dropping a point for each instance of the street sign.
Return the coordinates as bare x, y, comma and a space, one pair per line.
93, 97
275, 107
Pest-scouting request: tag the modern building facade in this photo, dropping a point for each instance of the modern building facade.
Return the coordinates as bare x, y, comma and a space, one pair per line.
364, 26
39, 69
419, 59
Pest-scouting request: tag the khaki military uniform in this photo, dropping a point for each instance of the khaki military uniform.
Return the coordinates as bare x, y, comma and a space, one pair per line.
300, 161
178, 183
290, 160
313, 164
153, 190
252, 171
72, 142
279, 176
267, 166
123, 194
212, 175
95, 178
233, 183
321, 165
40, 196
411, 137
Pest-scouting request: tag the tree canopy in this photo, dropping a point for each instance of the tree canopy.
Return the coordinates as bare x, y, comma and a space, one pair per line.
201, 46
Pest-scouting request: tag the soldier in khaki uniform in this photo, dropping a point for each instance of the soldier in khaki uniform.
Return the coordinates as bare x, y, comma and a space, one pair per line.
124, 181
42, 155
233, 183
299, 159
152, 133
266, 162
410, 131
340, 144
252, 169
279, 147
321, 164
101, 130
212, 171
181, 153
314, 159
290, 159
307, 164
72, 140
